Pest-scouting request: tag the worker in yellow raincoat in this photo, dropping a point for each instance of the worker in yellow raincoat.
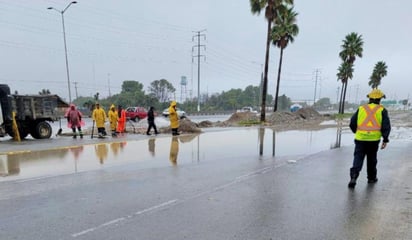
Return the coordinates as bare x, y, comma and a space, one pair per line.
113, 118
101, 152
99, 116
174, 118
174, 150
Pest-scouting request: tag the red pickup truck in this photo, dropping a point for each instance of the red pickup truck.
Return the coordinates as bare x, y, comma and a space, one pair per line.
136, 113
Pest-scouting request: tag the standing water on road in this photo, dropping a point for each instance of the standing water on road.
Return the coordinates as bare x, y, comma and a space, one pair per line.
154, 152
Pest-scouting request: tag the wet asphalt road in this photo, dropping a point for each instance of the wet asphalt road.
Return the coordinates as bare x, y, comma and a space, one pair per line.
223, 196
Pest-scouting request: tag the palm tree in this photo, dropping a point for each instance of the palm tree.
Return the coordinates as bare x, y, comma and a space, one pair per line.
271, 9
352, 47
283, 33
378, 73
345, 72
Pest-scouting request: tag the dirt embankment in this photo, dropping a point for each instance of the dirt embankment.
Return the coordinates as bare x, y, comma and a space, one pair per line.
305, 118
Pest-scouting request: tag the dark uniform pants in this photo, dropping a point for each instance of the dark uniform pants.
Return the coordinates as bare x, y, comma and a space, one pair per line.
370, 149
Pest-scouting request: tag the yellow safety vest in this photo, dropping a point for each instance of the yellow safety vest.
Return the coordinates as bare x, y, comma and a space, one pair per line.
369, 122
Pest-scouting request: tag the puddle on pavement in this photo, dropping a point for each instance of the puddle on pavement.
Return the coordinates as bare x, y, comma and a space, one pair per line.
247, 144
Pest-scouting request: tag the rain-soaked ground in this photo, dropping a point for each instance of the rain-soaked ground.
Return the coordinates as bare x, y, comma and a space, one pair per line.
63, 155
225, 183
164, 150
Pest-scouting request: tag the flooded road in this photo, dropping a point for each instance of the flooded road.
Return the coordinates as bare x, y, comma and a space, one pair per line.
257, 183
164, 150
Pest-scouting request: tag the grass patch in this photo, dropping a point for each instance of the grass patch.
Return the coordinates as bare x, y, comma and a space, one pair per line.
342, 116
249, 122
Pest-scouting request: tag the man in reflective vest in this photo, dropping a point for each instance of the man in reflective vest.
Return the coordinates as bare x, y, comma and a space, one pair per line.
370, 123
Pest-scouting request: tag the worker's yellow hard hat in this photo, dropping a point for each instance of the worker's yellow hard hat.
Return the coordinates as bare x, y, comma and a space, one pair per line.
376, 94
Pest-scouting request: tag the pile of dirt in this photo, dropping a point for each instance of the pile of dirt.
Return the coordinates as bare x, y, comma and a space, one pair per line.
282, 117
185, 126
240, 118
205, 124
243, 116
303, 118
303, 114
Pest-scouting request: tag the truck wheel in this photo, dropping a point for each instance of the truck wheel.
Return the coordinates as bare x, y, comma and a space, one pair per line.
42, 130
23, 134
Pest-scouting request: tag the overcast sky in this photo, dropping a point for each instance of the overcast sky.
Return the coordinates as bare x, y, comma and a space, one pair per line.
145, 40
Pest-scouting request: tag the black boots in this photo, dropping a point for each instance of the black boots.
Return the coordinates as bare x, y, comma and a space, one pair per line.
175, 132
372, 180
353, 176
352, 183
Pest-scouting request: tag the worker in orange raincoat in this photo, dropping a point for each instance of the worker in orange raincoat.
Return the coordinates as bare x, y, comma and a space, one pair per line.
174, 118
121, 124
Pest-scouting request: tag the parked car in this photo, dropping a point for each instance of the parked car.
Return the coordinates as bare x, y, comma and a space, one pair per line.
247, 109
136, 113
180, 113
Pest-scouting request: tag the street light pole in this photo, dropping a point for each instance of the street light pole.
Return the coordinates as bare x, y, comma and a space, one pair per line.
65, 45
261, 81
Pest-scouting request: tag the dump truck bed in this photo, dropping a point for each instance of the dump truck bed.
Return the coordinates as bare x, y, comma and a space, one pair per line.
32, 107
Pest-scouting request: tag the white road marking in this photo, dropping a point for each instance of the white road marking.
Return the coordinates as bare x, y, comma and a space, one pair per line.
109, 223
176, 201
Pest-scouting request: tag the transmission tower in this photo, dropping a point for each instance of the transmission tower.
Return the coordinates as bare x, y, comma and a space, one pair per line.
198, 45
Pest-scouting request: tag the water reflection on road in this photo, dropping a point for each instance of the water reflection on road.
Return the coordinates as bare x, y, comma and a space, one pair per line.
232, 144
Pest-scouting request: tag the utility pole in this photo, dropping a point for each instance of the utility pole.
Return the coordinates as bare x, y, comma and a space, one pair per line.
198, 35
65, 44
320, 88
337, 96
108, 82
317, 71
75, 88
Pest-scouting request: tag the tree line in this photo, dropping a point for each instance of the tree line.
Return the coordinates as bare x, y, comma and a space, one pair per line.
161, 92
282, 29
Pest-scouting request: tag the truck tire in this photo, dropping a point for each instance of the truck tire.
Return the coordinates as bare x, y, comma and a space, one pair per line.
42, 130
23, 134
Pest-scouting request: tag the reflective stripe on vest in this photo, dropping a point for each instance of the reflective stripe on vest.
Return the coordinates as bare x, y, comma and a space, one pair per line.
370, 123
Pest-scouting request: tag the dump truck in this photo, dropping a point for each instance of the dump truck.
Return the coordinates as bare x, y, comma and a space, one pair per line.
21, 115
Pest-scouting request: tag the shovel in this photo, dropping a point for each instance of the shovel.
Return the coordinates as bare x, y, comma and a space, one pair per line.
91, 136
